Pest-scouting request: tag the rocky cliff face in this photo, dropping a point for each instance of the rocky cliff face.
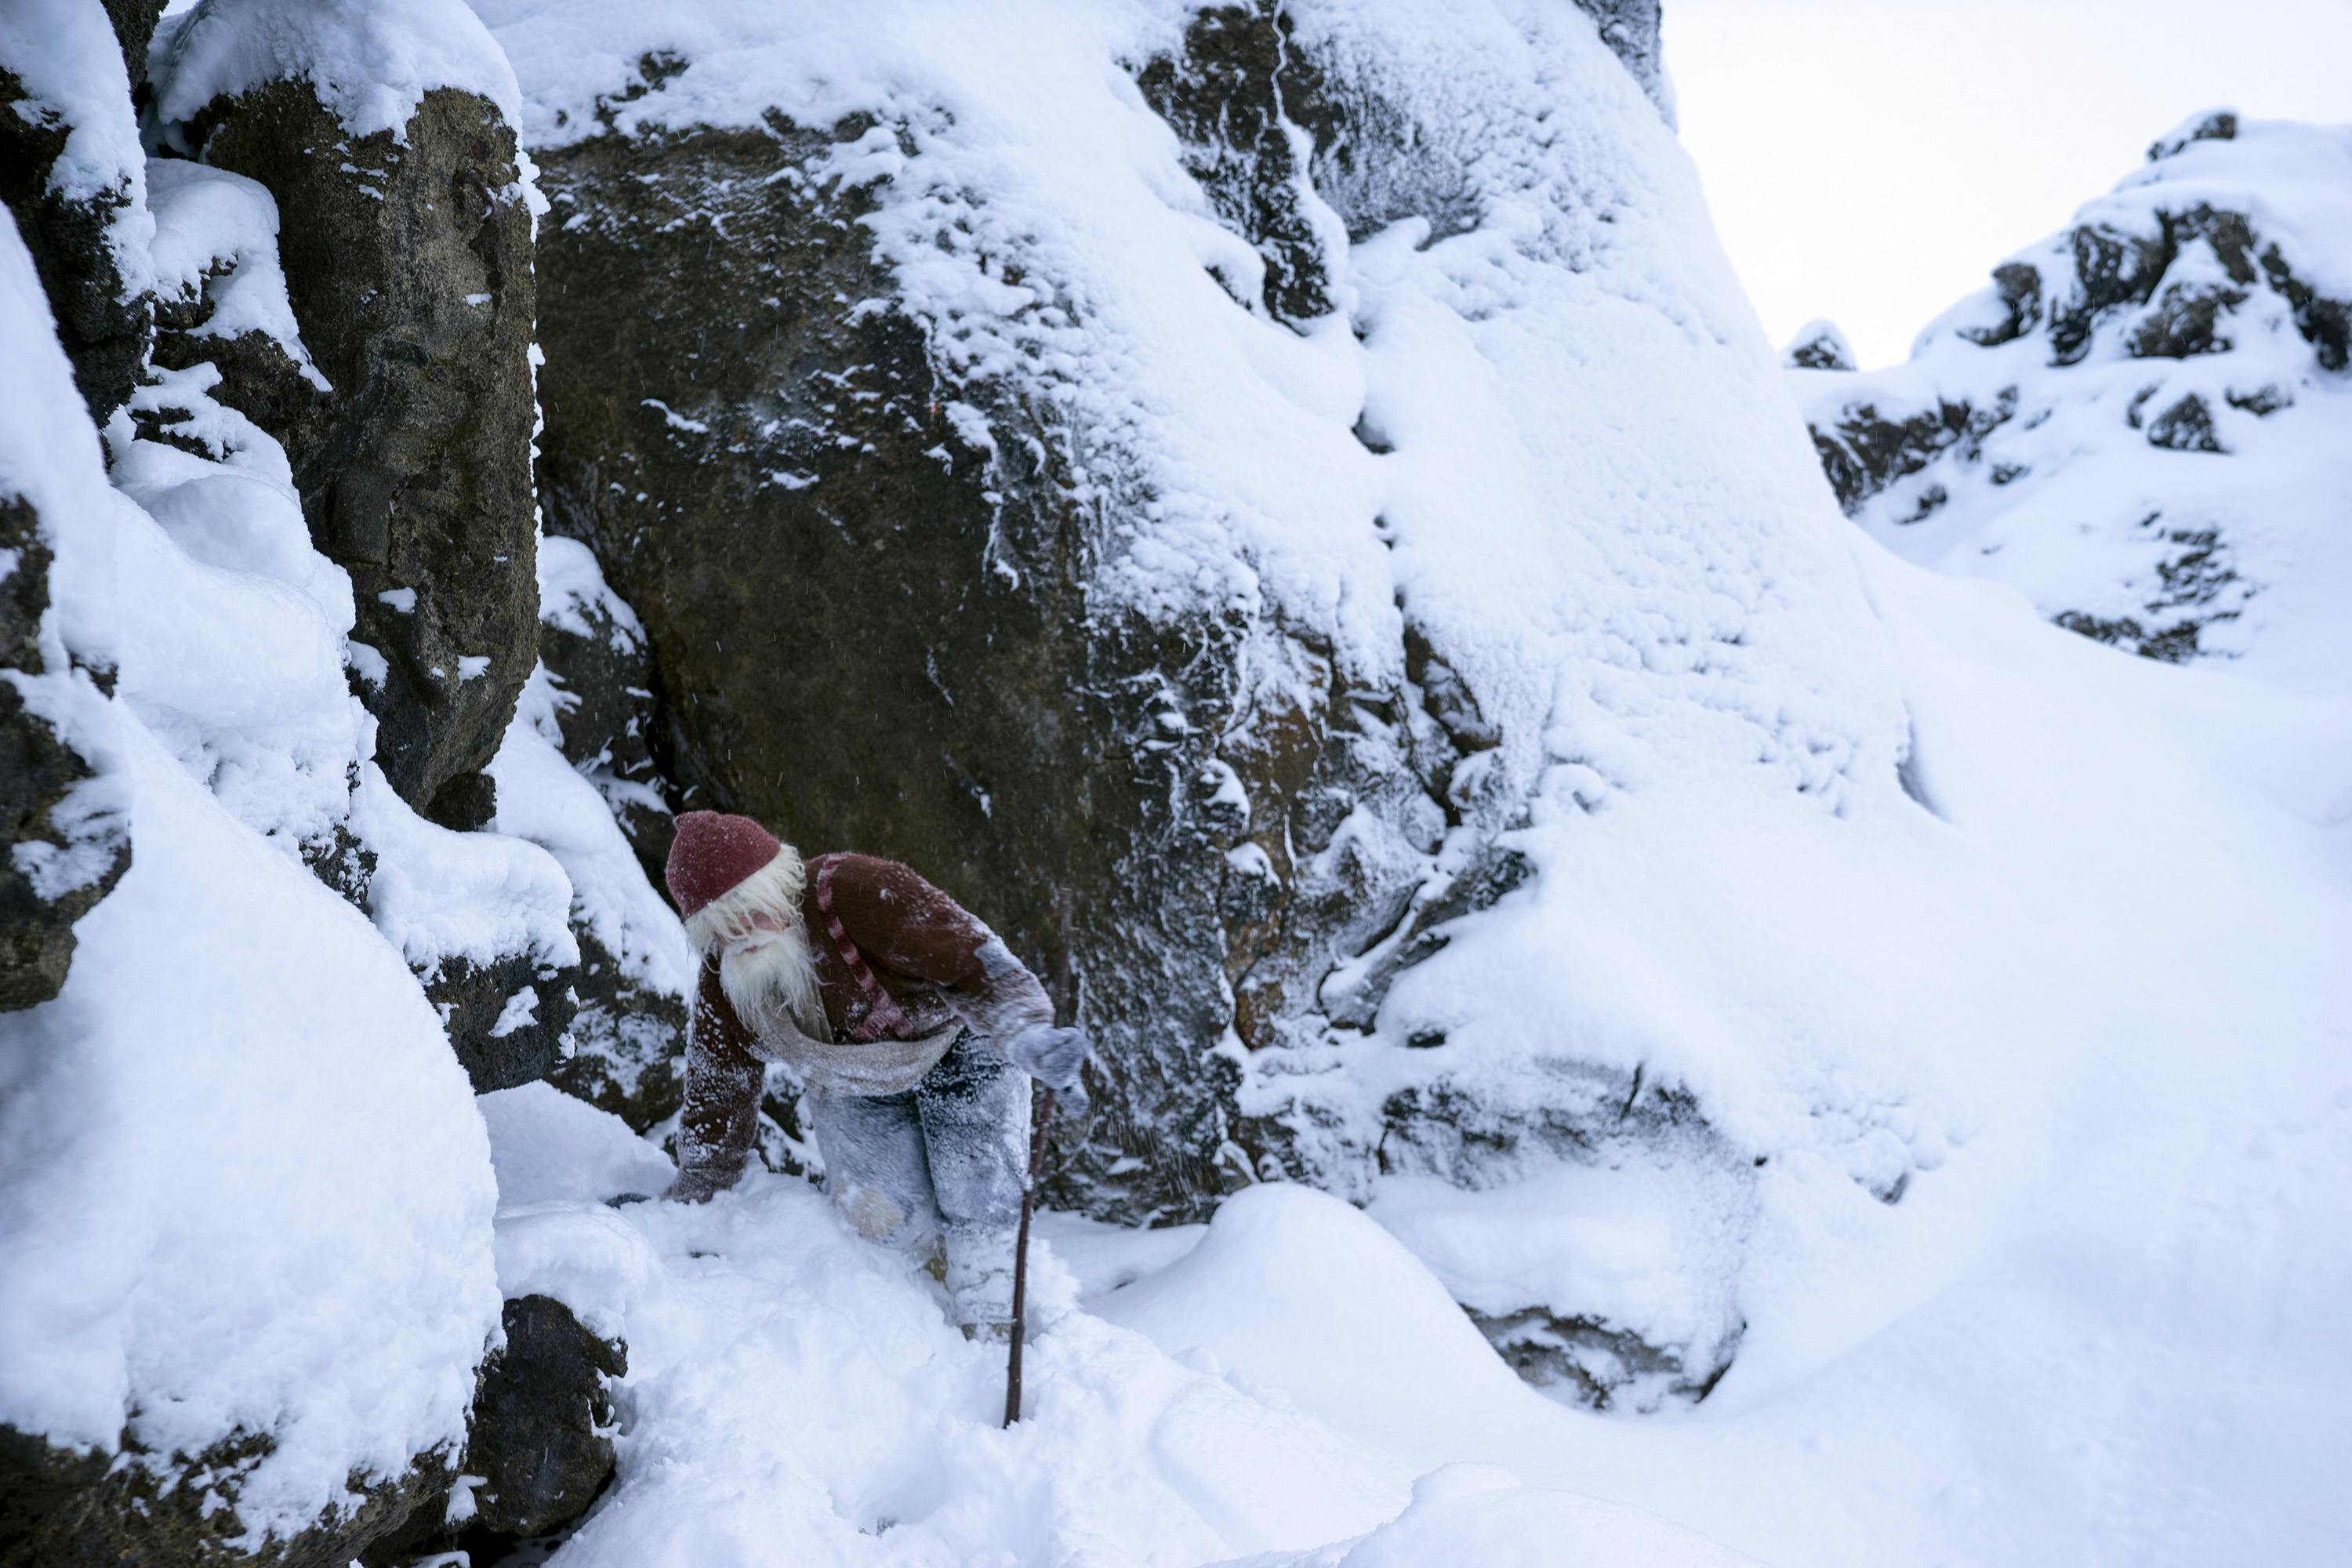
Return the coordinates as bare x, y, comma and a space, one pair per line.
2132, 423
64, 838
407, 260
1167, 522
879, 594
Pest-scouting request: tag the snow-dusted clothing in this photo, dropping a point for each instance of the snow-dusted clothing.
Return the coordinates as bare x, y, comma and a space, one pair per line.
947, 1158
920, 1094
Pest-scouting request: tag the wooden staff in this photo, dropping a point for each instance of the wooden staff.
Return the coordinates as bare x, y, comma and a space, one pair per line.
1041, 1114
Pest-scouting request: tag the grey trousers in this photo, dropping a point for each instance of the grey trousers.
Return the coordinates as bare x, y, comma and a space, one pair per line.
947, 1158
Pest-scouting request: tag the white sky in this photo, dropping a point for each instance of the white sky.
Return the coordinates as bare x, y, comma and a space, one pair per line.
1871, 159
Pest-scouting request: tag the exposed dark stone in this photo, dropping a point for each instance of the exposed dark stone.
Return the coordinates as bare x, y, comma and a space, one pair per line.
2020, 287
38, 773
1822, 347
475, 1002
2198, 586
1864, 451
611, 714
541, 1437
1585, 1362
2325, 324
627, 1043
105, 334
2221, 125
539, 1446
465, 803
408, 265
63, 1509
2184, 321
2263, 401
1932, 499
134, 25
2112, 269
1234, 95
2185, 426
344, 863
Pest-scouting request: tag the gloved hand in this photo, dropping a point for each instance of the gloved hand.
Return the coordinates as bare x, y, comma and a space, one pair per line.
1052, 1056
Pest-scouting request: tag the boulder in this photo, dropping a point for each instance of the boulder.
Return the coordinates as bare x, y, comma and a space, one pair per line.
407, 259
62, 1509
539, 1446
541, 1432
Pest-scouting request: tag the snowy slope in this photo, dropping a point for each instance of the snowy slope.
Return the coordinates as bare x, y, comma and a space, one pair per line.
2146, 423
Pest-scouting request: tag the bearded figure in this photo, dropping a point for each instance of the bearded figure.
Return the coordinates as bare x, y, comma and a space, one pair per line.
915, 1031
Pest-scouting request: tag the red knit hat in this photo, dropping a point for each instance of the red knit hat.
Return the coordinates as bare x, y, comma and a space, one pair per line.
713, 853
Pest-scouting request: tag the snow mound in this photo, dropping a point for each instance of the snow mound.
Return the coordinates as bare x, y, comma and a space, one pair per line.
547, 1147
1483, 1514
254, 1198
233, 626
214, 227
440, 896
2145, 424
371, 64
796, 1395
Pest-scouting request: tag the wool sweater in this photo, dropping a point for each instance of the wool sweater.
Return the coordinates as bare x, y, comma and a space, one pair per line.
942, 964
939, 963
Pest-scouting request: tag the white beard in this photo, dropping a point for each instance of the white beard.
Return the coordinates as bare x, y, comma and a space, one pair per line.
764, 963
772, 979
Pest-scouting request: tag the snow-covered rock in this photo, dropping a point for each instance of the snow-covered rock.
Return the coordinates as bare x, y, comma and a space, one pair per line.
1818, 345
2146, 423
245, 1261
64, 793
73, 177
384, 135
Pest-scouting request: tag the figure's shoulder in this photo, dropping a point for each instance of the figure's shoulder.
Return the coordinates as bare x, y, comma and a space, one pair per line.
870, 876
